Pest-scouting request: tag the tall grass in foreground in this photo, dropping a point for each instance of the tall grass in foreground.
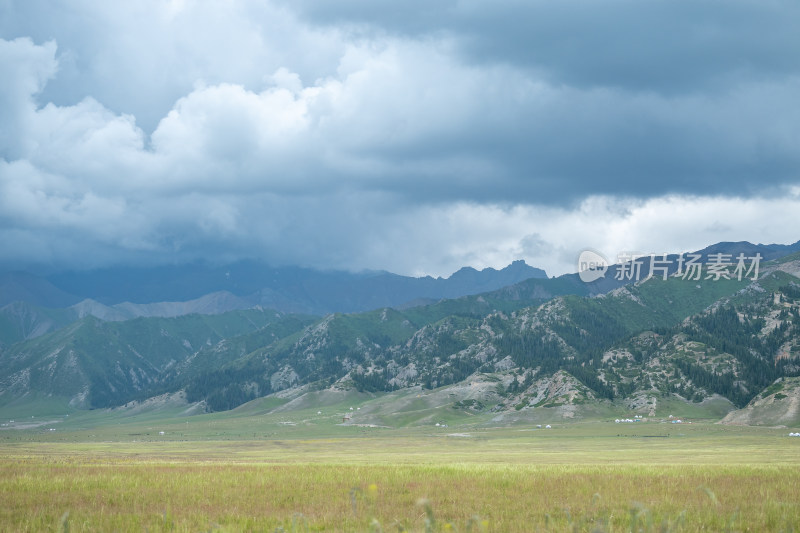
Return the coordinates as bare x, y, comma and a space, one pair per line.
128, 495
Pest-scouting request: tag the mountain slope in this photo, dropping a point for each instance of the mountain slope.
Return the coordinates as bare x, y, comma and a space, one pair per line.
330, 348
679, 337
98, 364
21, 321
777, 405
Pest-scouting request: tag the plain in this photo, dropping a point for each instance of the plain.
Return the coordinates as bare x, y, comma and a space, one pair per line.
261, 469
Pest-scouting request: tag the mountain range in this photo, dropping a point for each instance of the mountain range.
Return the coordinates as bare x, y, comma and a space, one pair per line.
120, 293
552, 343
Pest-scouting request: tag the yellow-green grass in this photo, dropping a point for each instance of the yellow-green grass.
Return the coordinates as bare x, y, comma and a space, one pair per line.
577, 477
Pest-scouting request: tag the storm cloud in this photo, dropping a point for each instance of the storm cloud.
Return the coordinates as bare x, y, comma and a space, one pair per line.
413, 138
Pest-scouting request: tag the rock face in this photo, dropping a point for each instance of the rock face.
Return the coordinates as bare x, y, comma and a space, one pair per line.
778, 405
284, 379
560, 389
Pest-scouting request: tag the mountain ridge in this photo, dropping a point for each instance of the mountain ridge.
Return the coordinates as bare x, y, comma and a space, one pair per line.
643, 342
295, 289
292, 289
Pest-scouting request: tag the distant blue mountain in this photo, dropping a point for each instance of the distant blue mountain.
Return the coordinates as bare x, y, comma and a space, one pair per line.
293, 289
302, 290
767, 251
32, 289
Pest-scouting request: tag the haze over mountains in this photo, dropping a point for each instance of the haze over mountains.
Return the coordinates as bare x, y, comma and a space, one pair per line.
207, 289
119, 293
32, 305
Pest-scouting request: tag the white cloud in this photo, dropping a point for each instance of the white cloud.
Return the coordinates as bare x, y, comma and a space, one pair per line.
140, 57
85, 142
224, 137
24, 69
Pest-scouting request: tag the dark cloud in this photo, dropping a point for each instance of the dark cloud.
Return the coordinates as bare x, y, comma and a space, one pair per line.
661, 46
408, 136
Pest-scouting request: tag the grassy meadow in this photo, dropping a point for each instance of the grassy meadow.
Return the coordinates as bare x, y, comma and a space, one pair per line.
590, 476
292, 464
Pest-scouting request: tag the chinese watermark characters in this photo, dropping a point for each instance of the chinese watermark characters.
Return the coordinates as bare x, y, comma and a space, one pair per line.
633, 266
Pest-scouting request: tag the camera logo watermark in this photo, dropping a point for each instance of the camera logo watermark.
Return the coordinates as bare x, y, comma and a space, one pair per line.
633, 266
592, 265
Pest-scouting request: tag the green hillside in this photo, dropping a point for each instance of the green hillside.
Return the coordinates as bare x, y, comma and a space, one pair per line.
711, 344
21, 320
100, 364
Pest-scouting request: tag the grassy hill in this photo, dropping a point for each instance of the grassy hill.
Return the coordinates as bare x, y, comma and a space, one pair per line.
100, 364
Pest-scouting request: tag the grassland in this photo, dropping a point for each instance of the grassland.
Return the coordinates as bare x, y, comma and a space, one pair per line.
248, 471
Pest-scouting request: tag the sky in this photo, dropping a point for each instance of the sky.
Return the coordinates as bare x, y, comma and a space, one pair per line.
415, 137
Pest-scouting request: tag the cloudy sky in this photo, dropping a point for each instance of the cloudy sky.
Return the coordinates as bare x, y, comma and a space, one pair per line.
416, 136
